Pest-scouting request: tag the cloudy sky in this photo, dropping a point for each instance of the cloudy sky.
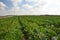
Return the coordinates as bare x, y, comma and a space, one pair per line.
29, 7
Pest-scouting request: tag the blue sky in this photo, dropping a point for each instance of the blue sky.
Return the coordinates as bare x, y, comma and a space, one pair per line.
14, 6
9, 4
30, 7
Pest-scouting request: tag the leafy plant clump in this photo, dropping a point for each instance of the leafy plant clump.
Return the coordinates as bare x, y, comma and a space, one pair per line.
30, 28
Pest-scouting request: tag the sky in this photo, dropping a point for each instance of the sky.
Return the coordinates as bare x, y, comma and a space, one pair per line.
29, 7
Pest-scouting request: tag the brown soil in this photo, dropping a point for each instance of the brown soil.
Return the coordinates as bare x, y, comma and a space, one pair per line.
5, 16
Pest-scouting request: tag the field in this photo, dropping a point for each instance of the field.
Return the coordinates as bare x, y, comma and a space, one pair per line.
30, 28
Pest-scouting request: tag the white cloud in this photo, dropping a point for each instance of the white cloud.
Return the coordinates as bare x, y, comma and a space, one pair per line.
15, 7
50, 7
16, 0
2, 6
31, 0
42, 7
15, 4
27, 6
2, 9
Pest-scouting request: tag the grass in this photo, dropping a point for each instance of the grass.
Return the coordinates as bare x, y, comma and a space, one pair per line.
30, 28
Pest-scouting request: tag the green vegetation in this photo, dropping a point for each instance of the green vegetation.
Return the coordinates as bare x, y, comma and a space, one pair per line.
30, 28
10, 29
